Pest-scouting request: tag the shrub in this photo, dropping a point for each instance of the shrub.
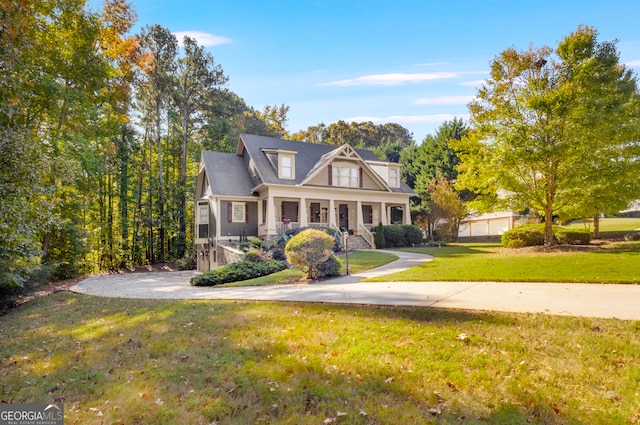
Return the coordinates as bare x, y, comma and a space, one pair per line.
277, 253
378, 237
393, 236
533, 234
571, 236
256, 243
331, 267
308, 249
236, 272
252, 257
412, 235
521, 236
244, 246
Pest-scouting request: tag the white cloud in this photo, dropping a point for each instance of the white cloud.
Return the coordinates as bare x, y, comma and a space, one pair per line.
394, 79
444, 100
633, 63
436, 118
203, 38
474, 83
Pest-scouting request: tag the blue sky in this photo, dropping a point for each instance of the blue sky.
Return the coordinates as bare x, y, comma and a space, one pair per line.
416, 63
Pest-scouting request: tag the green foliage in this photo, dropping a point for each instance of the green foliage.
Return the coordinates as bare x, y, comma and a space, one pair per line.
555, 131
283, 238
256, 243
237, 272
412, 234
445, 208
393, 236
571, 236
378, 237
361, 134
308, 249
533, 235
330, 267
252, 257
400, 236
521, 236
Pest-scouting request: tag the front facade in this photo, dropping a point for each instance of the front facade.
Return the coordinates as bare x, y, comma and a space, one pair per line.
271, 185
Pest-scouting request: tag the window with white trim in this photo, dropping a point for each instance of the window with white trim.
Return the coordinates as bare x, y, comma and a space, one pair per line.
345, 175
286, 166
394, 177
238, 212
203, 220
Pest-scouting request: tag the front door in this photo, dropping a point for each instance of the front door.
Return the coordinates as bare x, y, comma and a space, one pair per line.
343, 210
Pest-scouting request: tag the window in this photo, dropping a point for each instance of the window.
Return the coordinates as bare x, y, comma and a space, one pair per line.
203, 221
237, 212
286, 166
346, 176
394, 180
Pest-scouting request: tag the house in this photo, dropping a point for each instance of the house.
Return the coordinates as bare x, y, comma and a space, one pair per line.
270, 185
487, 225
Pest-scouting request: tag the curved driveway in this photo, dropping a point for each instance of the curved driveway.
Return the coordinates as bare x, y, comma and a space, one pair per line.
589, 300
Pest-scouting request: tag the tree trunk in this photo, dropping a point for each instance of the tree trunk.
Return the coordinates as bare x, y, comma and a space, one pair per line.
160, 184
182, 231
596, 226
548, 227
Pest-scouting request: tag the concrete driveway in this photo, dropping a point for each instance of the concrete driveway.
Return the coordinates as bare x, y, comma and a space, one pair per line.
587, 300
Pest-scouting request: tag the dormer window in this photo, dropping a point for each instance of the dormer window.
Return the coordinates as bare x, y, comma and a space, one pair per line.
286, 166
394, 177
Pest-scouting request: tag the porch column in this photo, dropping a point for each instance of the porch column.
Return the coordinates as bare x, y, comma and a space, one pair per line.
359, 218
302, 212
332, 214
383, 214
271, 216
407, 214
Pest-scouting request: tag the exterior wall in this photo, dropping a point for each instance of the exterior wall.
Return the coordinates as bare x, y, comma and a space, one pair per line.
490, 224
321, 179
234, 230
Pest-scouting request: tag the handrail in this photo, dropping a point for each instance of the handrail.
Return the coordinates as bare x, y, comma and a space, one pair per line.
366, 235
337, 229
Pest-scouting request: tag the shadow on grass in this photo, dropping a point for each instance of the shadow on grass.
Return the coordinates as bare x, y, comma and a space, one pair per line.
147, 362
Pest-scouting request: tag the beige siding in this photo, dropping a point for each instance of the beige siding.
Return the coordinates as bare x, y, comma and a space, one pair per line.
322, 179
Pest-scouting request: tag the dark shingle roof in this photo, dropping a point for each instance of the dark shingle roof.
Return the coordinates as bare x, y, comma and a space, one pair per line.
229, 175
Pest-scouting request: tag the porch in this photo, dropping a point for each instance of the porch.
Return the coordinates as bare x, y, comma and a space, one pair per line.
358, 217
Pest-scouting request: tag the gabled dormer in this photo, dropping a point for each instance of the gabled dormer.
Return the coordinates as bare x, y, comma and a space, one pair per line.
388, 171
343, 167
283, 162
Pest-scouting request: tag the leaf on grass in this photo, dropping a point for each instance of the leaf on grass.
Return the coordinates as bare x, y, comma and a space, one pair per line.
452, 386
388, 380
341, 413
330, 420
435, 411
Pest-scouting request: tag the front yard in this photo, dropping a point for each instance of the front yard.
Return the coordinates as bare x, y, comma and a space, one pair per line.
608, 263
116, 361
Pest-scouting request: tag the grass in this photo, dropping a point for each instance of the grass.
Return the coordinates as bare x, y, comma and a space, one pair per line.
117, 361
366, 260
358, 261
612, 224
611, 263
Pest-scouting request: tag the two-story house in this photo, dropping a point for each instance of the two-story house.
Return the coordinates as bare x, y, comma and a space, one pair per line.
270, 185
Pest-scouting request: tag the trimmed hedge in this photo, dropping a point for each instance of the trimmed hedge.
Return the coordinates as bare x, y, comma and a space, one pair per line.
236, 272
533, 234
401, 236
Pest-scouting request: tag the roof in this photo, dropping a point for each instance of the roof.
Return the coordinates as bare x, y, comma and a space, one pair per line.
229, 174
223, 168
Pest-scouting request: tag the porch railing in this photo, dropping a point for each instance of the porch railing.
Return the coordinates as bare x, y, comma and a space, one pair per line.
366, 234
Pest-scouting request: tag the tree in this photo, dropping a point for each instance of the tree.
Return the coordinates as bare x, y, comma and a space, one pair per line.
160, 47
198, 80
434, 155
309, 248
445, 208
545, 122
276, 119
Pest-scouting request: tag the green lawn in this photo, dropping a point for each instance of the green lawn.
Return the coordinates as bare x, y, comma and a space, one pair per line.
118, 361
613, 224
612, 263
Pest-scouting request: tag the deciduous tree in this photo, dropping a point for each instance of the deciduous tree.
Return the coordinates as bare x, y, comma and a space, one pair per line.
545, 122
